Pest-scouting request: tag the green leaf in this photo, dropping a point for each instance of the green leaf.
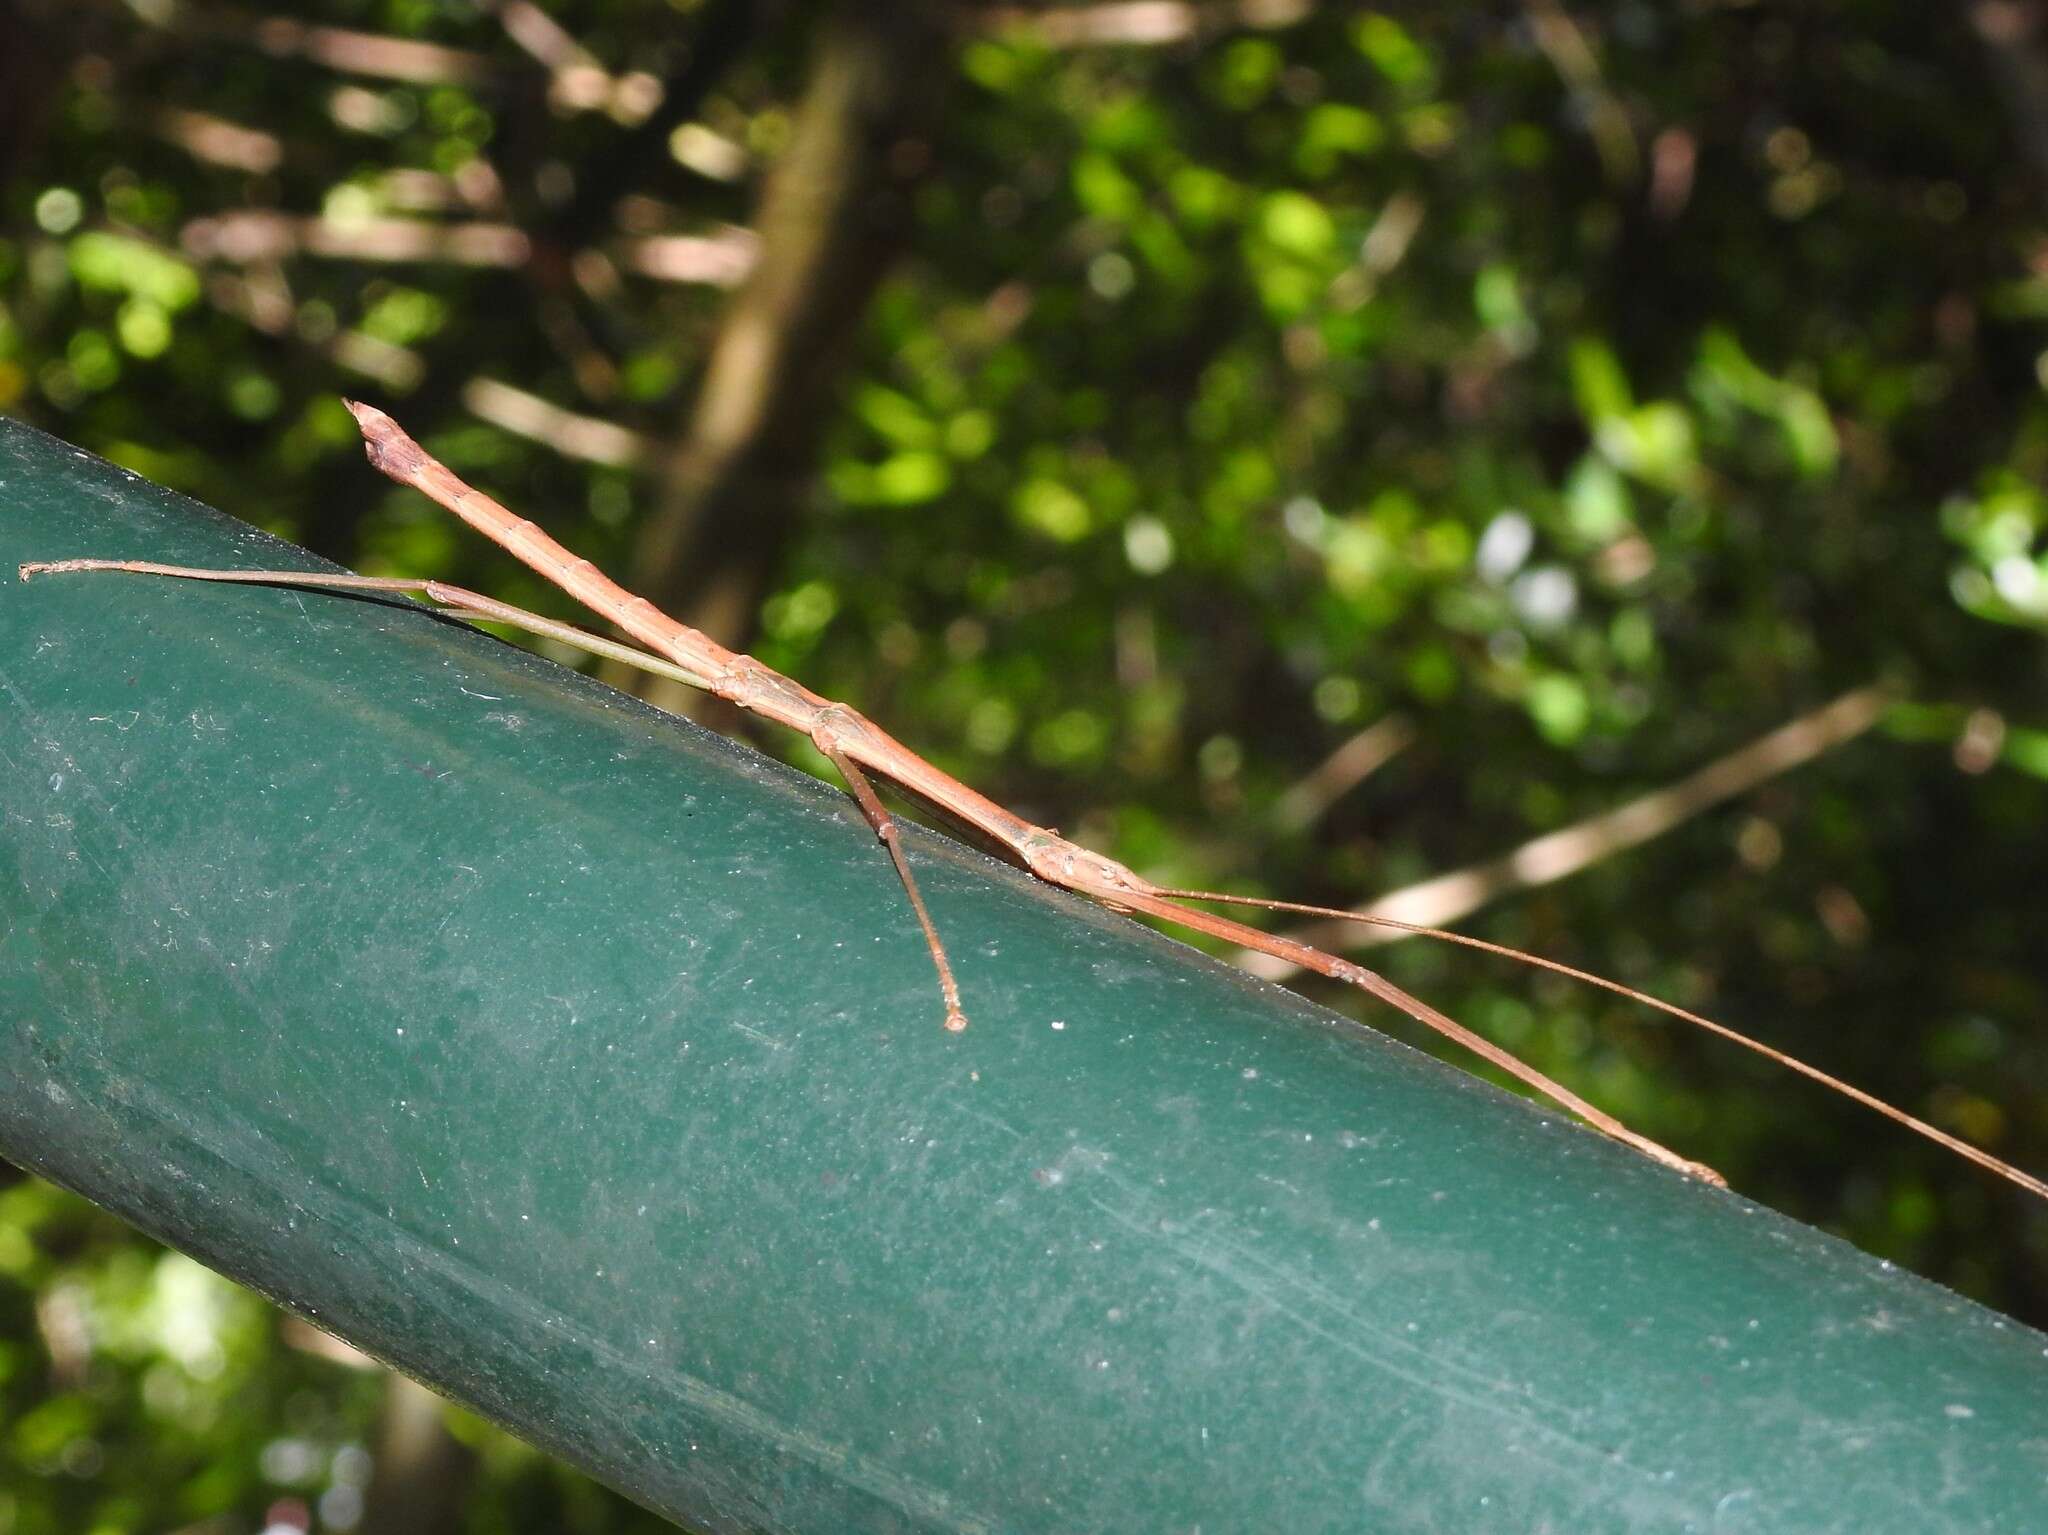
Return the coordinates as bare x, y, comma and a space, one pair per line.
1297, 224
1051, 508
2027, 750
1596, 500
903, 479
895, 416
1394, 53
1560, 708
1103, 189
1799, 412
1332, 132
1598, 383
1654, 442
114, 263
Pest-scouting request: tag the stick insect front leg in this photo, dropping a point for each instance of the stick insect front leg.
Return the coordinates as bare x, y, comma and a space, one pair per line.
463, 603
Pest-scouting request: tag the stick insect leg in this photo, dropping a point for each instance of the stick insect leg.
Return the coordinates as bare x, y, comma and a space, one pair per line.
885, 827
1162, 905
1961, 1148
456, 601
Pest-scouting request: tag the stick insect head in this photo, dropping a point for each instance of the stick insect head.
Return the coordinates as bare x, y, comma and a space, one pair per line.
1060, 862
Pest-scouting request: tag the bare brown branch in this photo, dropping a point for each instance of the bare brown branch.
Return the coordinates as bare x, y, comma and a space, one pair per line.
269, 235
723, 259
575, 436
350, 52
2015, 38
1140, 23
1565, 44
217, 141
261, 299
831, 216
1309, 800
578, 80
1448, 897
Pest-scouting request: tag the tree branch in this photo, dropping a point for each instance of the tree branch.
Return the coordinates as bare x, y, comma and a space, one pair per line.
1440, 901
1364, 754
589, 438
1138, 23
832, 215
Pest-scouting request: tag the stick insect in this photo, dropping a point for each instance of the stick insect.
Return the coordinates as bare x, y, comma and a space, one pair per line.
856, 747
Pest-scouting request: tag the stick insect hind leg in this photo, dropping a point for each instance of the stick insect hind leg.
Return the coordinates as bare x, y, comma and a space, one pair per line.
1920, 1127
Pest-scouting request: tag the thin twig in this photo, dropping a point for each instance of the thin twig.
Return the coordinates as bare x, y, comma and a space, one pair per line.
261, 234
1363, 755
574, 436
1137, 23
1445, 898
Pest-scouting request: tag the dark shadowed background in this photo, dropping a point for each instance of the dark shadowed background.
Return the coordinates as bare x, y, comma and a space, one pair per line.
1569, 471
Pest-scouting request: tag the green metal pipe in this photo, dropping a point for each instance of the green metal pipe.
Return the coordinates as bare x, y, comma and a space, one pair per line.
588, 1067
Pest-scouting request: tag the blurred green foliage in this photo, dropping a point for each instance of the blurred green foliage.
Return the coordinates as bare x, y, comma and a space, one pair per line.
1594, 391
